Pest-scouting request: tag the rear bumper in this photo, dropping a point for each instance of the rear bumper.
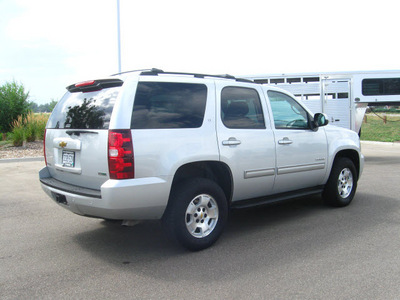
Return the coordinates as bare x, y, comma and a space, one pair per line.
131, 199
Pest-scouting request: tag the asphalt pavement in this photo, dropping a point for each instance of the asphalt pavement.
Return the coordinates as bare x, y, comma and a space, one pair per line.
295, 250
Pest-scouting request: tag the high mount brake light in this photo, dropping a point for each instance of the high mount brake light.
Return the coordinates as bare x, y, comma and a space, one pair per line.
94, 85
120, 154
85, 83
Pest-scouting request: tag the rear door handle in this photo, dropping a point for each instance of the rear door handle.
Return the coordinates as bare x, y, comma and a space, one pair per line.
231, 142
285, 141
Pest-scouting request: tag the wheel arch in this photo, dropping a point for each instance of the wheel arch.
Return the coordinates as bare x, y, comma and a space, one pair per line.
216, 171
352, 155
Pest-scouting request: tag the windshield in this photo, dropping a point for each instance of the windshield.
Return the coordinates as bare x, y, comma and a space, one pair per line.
84, 110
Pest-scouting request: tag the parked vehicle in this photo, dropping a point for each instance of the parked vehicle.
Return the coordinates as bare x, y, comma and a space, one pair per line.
343, 96
186, 148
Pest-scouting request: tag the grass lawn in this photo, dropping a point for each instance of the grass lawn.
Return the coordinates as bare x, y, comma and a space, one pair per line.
374, 129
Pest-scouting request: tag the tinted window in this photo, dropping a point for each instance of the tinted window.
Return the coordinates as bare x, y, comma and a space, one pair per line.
90, 110
241, 108
169, 105
288, 114
381, 87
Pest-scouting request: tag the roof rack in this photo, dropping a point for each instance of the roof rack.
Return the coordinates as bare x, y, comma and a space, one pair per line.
131, 71
156, 72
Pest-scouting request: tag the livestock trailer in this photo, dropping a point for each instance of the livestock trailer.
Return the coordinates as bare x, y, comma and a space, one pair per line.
343, 96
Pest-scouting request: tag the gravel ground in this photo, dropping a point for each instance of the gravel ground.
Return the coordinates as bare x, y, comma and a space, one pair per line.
33, 149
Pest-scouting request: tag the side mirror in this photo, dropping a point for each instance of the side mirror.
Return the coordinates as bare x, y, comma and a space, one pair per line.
320, 119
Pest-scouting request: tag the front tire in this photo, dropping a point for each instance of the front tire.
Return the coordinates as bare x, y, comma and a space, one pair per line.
342, 183
196, 213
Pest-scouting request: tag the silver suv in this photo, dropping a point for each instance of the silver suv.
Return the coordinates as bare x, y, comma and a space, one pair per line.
185, 148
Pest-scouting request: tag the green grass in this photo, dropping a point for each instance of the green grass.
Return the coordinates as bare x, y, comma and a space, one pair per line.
374, 129
4, 143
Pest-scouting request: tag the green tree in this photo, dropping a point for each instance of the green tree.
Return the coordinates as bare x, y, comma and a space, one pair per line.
13, 103
43, 108
52, 104
47, 107
33, 106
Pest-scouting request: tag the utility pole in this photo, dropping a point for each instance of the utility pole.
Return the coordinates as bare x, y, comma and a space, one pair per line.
119, 38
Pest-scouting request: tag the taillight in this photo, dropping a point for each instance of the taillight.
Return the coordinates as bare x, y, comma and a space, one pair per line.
120, 154
44, 147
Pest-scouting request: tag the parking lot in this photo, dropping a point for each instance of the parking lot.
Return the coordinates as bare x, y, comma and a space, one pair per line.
295, 250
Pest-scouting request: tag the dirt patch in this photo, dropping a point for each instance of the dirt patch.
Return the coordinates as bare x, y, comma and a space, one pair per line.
32, 149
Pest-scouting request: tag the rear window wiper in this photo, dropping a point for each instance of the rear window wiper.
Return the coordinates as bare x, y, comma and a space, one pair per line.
78, 132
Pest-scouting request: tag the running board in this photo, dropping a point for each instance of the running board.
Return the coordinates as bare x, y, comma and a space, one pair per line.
276, 198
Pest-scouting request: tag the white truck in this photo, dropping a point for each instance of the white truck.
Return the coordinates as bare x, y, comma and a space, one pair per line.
343, 96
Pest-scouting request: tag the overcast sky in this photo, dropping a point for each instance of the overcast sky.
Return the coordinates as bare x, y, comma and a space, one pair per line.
49, 44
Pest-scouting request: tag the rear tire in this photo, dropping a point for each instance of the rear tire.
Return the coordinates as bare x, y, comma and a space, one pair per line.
342, 183
196, 213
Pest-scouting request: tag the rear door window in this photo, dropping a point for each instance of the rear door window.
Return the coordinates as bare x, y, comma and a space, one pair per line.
169, 105
241, 108
84, 110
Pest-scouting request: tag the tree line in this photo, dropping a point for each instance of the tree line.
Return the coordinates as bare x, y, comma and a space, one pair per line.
42, 108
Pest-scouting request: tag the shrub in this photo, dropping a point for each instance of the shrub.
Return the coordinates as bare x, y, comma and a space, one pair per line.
28, 129
18, 132
41, 121
13, 103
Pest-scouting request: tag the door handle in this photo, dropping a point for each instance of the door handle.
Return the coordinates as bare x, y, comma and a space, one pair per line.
285, 141
231, 142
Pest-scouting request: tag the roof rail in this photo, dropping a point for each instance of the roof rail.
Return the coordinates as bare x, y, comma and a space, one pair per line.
155, 72
131, 71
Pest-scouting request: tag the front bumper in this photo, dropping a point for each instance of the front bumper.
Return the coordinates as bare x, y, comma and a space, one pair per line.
362, 161
130, 199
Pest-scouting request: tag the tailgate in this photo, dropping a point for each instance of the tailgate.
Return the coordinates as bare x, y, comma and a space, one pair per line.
78, 157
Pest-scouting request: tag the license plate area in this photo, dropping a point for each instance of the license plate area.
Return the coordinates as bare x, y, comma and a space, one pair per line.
68, 159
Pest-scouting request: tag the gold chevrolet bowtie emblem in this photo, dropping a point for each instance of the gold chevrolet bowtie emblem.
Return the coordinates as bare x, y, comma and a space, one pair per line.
62, 144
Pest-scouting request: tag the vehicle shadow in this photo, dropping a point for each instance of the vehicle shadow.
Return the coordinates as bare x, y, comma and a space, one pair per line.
382, 160
268, 236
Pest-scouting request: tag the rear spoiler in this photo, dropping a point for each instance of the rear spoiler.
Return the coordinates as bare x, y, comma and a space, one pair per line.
94, 85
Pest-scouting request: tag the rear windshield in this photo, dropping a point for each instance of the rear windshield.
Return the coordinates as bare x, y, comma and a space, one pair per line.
89, 110
161, 105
